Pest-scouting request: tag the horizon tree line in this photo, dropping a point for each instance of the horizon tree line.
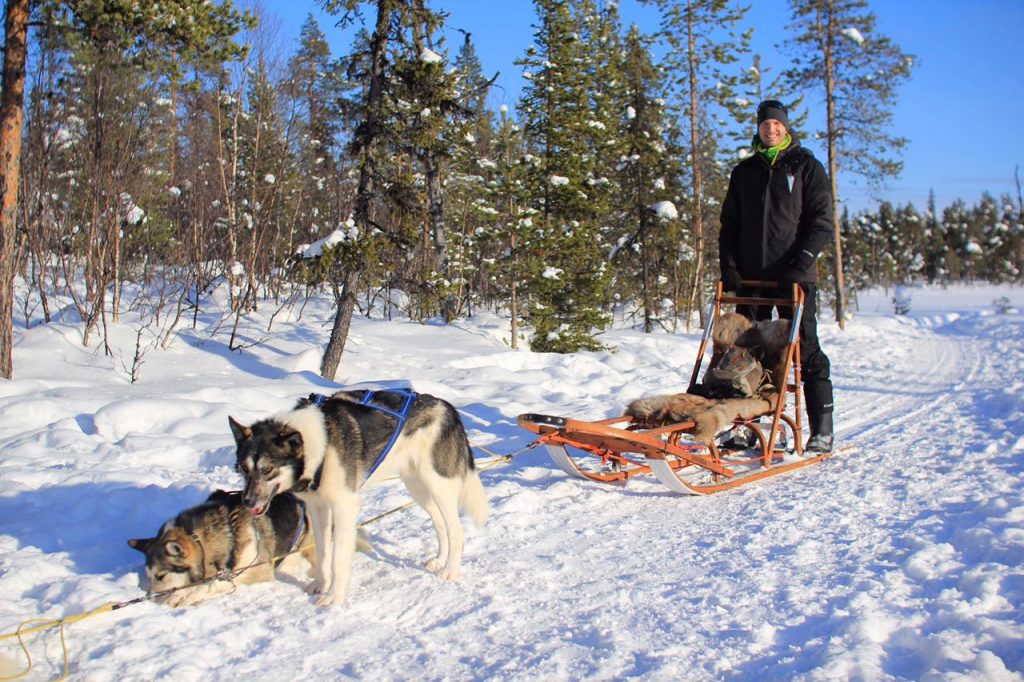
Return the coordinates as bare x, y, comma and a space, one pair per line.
152, 171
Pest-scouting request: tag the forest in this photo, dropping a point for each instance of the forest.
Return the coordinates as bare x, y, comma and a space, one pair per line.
174, 158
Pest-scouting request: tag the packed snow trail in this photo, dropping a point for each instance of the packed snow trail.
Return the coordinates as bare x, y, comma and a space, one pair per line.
901, 560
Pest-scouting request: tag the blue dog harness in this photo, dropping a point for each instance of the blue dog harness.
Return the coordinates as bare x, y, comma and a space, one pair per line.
400, 415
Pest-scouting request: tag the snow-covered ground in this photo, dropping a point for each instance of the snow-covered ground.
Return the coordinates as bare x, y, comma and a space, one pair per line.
901, 560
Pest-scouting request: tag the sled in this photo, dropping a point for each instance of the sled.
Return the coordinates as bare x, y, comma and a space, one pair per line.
614, 450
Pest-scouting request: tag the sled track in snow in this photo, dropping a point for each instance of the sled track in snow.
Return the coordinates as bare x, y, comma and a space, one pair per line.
946, 363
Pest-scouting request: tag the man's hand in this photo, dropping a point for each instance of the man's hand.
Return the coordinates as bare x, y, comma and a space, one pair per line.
799, 269
731, 279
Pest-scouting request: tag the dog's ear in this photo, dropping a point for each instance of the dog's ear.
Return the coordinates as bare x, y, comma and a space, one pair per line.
219, 496
240, 432
174, 548
141, 544
290, 441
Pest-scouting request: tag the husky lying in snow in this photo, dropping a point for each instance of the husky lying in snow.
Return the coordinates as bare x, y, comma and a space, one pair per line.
221, 535
324, 449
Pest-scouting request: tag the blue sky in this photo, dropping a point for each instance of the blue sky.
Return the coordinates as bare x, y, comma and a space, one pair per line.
956, 111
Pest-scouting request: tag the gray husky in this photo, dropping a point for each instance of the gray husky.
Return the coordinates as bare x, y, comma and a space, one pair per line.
220, 535
327, 448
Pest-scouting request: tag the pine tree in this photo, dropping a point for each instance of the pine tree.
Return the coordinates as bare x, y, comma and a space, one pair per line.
648, 250
315, 88
838, 53
11, 115
703, 41
376, 135
567, 273
473, 204
139, 32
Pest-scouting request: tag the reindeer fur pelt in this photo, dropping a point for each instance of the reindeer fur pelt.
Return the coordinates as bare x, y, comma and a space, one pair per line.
711, 416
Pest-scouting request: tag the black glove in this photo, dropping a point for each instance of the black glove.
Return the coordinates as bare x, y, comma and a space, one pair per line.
730, 279
799, 270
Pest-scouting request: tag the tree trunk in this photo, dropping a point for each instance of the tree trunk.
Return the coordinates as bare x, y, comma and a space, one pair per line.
833, 169
696, 290
11, 117
345, 300
366, 136
435, 216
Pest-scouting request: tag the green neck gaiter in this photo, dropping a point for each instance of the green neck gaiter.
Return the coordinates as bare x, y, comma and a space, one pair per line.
771, 153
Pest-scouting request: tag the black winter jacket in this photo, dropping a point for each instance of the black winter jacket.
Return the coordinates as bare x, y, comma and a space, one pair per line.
773, 214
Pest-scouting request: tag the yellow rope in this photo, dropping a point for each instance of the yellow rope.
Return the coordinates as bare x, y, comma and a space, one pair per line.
47, 625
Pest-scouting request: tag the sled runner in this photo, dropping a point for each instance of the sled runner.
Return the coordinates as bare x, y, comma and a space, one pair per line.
683, 454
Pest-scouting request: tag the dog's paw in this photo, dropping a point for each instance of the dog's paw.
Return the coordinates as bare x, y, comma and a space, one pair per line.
181, 599
434, 565
330, 599
453, 573
315, 586
325, 600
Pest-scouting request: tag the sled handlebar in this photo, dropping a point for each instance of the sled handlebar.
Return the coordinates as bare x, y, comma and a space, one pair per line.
760, 284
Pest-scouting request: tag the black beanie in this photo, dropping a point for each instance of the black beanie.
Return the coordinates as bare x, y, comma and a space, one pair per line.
772, 108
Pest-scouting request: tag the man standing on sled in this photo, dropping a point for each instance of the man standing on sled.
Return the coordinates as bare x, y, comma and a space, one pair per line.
776, 218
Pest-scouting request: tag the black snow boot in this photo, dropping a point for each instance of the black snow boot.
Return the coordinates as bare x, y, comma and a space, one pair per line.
821, 440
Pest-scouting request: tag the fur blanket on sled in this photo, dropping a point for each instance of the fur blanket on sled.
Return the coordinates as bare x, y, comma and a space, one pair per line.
713, 415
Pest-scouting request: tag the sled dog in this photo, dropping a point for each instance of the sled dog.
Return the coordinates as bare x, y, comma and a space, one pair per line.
326, 448
220, 535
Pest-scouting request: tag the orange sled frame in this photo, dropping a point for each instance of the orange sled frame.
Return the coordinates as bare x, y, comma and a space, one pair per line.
617, 449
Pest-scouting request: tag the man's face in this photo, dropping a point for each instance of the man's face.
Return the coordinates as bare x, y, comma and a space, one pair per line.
772, 132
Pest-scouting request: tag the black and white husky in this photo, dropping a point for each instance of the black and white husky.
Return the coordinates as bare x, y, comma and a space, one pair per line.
327, 448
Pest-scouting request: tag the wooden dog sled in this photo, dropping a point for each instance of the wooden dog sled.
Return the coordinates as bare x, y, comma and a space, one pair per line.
617, 449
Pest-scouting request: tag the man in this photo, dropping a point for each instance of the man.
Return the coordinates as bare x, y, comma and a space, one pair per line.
776, 218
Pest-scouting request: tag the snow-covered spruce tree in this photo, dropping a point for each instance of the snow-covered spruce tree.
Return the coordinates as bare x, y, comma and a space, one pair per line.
995, 220
1007, 233
430, 108
269, 176
840, 57
561, 250
907, 244
601, 38
471, 211
377, 209
960, 254
703, 41
505, 219
647, 252
935, 244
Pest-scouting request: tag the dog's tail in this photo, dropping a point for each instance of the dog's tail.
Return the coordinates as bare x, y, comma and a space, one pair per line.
473, 499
